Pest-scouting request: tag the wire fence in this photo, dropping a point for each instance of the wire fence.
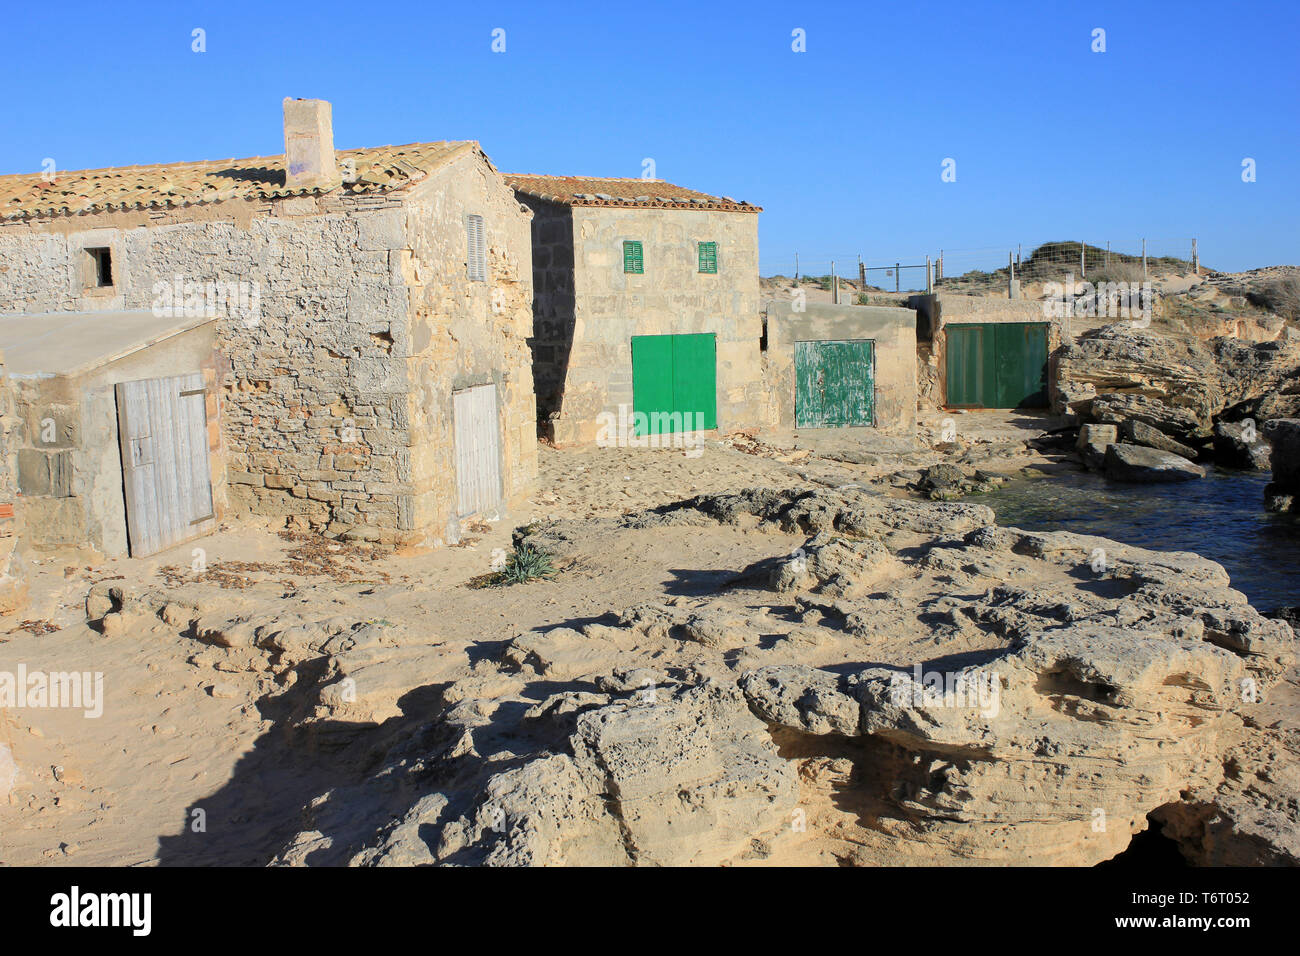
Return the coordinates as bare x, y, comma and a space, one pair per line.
990, 268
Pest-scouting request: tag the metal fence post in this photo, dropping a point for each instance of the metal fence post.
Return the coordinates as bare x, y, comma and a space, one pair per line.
1083, 260
835, 285
1144, 258
862, 274
898, 268
929, 283
1196, 260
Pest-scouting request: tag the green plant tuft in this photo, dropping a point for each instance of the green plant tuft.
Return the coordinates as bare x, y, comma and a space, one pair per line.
526, 564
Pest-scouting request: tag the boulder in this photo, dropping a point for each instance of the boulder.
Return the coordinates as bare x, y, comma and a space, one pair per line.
1096, 434
1140, 433
1284, 436
1141, 465
1239, 445
1116, 409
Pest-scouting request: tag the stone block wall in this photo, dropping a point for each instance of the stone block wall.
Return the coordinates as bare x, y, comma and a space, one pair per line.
554, 303
466, 332
336, 383
671, 296
13, 577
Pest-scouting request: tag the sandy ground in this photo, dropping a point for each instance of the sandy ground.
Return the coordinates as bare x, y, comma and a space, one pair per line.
122, 788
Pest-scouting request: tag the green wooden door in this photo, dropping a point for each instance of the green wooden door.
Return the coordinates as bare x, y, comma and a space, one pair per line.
997, 365
674, 383
834, 383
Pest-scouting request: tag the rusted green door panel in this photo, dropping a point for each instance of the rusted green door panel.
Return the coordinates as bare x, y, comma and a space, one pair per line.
673, 376
997, 365
834, 383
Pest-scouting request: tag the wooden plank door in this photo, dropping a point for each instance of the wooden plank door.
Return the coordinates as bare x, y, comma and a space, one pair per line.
674, 376
478, 449
834, 383
695, 380
652, 381
163, 435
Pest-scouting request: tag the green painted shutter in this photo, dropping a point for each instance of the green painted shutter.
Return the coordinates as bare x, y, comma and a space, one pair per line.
633, 258
709, 257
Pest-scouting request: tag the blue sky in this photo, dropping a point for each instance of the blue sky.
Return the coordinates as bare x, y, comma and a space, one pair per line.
842, 144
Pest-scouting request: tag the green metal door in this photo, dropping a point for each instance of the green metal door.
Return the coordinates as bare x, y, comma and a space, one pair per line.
971, 378
674, 383
834, 383
1022, 365
997, 365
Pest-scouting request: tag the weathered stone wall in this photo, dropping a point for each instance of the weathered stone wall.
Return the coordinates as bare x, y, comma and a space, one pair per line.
553, 306
322, 377
672, 296
13, 579
305, 374
466, 332
893, 332
69, 462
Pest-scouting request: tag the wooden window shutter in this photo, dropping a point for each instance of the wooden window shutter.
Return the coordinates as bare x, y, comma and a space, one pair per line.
633, 259
476, 248
709, 257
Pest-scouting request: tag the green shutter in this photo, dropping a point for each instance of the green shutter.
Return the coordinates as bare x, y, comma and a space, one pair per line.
633, 261
709, 257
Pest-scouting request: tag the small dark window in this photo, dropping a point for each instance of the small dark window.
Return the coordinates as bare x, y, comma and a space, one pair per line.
633, 259
102, 260
709, 257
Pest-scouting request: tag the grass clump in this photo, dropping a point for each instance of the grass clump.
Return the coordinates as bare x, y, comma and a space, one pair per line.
522, 565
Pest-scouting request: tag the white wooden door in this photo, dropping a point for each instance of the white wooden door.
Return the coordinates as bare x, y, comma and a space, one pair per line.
163, 432
478, 449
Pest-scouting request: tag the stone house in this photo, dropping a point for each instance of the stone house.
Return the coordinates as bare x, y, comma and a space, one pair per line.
372, 311
645, 311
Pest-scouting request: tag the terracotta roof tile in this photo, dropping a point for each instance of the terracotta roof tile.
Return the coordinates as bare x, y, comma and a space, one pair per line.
379, 168
596, 191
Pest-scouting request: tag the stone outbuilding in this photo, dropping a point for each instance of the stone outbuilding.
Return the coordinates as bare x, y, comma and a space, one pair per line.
985, 351
646, 308
117, 411
372, 309
838, 366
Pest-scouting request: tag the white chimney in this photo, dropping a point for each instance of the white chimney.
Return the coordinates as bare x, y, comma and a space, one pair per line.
309, 145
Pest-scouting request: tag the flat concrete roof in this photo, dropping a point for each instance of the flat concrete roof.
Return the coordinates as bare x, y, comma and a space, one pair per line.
48, 344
